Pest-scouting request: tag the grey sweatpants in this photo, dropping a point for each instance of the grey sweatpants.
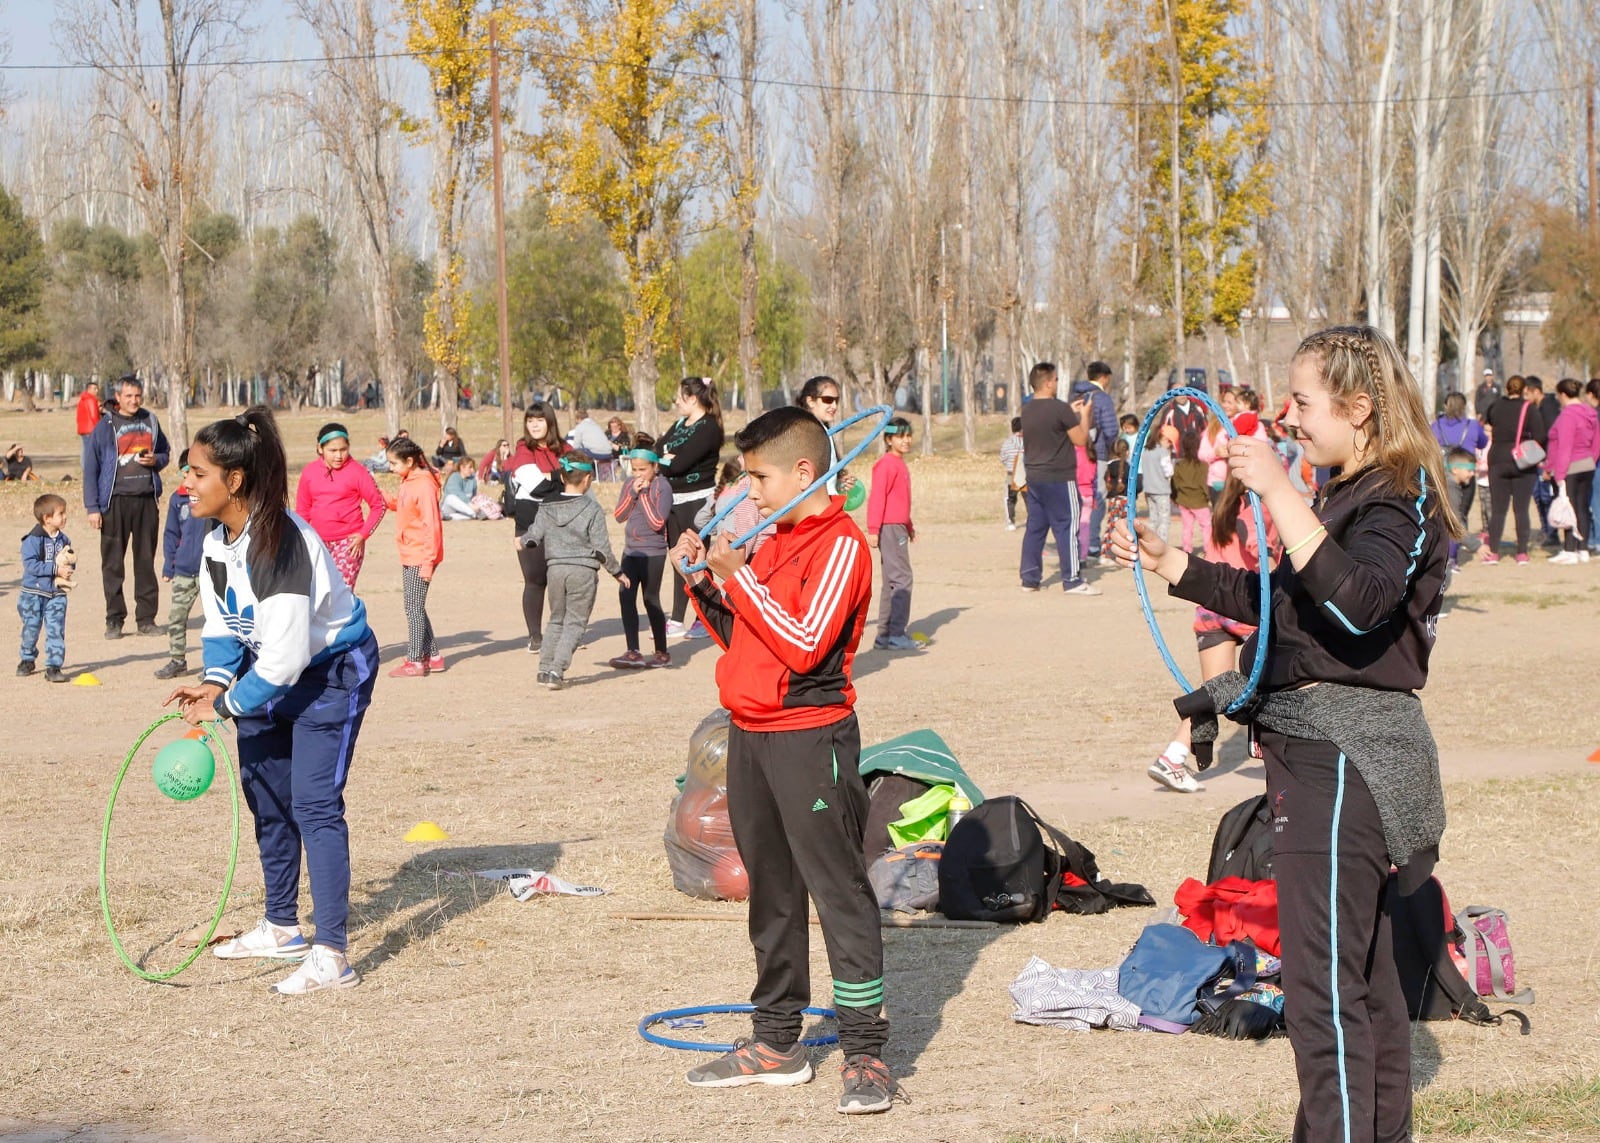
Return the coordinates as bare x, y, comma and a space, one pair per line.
894, 601
571, 594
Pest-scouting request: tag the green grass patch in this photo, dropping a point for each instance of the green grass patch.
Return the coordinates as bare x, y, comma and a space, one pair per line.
1569, 1109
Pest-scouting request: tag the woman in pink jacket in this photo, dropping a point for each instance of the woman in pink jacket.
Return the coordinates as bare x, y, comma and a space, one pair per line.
1573, 450
330, 496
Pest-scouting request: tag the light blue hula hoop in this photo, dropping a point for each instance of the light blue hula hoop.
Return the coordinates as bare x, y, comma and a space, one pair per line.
1264, 627
884, 412
713, 1009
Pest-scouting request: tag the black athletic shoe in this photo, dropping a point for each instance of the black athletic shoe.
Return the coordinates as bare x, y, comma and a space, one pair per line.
868, 1086
151, 629
535, 642
554, 680
541, 679
175, 668
113, 631
55, 675
24, 668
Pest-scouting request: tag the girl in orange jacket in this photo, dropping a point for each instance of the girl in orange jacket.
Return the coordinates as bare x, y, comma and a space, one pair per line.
419, 534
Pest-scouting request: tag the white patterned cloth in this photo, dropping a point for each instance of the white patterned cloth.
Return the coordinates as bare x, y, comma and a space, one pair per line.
1075, 998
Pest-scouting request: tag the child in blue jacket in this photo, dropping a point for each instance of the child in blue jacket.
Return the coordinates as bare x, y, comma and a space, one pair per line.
42, 602
181, 542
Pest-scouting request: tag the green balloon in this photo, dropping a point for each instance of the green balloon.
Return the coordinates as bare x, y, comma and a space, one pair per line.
183, 769
856, 497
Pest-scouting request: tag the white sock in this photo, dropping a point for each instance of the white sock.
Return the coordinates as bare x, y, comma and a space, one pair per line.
1177, 752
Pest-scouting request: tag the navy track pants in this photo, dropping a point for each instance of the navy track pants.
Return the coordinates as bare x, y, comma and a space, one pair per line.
294, 758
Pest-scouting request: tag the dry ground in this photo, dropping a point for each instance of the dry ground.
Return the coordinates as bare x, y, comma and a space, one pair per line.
483, 1018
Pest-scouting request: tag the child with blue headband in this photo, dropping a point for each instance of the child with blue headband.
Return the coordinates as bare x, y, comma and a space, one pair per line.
571, 530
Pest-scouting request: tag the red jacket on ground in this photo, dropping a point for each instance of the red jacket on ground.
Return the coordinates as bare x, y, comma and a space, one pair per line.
790, 621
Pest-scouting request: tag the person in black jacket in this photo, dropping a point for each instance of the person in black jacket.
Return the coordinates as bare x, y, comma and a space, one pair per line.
1511, 420
689, 451
1352, 768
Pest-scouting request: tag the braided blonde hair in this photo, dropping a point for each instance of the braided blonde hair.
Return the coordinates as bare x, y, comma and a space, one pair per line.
1356, 359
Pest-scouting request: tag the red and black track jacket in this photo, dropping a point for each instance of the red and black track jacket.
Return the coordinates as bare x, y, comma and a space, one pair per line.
790, 621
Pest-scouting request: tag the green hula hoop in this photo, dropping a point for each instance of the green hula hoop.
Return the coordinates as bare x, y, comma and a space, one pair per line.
213, 731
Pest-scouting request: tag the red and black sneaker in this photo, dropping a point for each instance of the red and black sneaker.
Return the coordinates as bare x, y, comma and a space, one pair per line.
750, 1062
868, 1086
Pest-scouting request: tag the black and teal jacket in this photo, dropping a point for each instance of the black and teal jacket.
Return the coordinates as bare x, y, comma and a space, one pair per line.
1364, 610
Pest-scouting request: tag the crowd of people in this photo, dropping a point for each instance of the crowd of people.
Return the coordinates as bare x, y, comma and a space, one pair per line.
1365, 503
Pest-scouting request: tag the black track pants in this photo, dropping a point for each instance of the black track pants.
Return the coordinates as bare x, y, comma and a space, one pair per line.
1345, 1010
679, 521
797, 805
136, 519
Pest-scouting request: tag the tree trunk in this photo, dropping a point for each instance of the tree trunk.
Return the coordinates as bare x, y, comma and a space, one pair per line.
1422, 202
1377, 244
642, 377
391, 362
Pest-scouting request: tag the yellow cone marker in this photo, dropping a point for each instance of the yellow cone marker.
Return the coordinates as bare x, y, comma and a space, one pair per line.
427, 831
919, 638
85, 680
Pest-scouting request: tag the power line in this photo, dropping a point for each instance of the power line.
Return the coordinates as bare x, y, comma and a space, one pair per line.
807, 85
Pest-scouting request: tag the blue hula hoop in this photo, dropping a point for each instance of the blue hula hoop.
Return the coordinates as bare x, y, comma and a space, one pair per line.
884, 413
1263, 629
715, 1009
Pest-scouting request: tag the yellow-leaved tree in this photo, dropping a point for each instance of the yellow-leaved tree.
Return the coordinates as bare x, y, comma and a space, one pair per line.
451, 39
1200, 211
629, 134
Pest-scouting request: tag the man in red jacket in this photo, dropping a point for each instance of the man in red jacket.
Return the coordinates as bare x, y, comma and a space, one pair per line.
790, 621
89, 413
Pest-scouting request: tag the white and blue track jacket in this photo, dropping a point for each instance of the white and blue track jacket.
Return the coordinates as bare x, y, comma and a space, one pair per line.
267, 622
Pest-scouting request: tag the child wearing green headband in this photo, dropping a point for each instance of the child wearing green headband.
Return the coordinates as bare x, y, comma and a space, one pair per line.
642, 508
571, 531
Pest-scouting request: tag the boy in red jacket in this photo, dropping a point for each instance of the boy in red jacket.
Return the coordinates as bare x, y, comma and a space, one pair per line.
890, 530
790, 621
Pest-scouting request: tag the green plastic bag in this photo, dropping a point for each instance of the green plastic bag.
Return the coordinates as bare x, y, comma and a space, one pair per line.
924, 818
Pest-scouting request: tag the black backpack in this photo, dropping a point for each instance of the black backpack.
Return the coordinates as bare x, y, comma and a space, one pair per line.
1434, 986
999, 866
1242, 846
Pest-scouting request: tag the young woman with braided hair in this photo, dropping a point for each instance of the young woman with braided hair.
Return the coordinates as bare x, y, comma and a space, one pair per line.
1352, 769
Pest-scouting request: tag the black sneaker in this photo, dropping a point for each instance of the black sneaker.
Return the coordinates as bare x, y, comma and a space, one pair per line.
151, 629
553, 680
175, 668
535, 642
24, 668
541, 679
113, 631
55, 675
753, 1062
868, 1086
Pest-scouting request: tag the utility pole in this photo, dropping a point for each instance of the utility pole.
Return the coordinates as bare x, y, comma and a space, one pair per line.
507, 419
944, 324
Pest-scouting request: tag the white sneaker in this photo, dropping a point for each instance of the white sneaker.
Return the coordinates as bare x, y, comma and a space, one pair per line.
675, 629
1583, 555
324, 968
1173, 775
1084, 589
1011, 527
265, 941
1565, 558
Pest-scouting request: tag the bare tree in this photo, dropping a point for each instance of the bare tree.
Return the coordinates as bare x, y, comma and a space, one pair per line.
353, 106
158, 111
1380, 304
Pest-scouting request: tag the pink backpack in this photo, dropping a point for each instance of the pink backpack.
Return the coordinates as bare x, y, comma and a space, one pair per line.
1485, 956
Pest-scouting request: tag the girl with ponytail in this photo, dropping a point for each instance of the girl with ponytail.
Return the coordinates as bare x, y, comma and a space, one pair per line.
290, 659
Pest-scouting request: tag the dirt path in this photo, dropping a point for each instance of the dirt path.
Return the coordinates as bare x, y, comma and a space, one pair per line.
482, 1018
